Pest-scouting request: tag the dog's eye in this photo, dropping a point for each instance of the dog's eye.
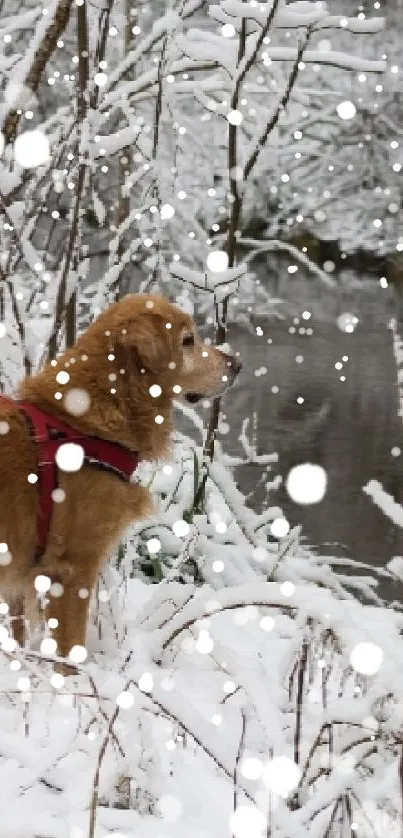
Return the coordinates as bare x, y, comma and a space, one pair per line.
188, 339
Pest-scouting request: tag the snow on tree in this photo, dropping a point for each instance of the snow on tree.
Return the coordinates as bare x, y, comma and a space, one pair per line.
181, 83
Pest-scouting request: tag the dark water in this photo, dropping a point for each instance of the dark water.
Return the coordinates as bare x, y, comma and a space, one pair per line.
348, 427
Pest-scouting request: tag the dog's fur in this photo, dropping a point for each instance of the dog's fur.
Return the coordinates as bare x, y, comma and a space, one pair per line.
140, 341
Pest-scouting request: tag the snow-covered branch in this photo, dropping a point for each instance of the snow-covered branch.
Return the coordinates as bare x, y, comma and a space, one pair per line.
209, 280
384, 501
343, 60
295, 16
275, 245
28, 72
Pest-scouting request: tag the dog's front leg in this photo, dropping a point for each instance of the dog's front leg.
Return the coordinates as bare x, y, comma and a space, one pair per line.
70, 609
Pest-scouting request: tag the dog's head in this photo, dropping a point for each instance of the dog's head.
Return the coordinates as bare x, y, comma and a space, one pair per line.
159, 345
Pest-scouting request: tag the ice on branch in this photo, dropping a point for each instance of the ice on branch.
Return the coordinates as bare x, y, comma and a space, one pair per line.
25, 21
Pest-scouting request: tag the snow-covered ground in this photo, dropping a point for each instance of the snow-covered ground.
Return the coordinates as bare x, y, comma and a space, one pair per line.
245, 705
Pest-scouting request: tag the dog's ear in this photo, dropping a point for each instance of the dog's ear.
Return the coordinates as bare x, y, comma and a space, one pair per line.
144, 343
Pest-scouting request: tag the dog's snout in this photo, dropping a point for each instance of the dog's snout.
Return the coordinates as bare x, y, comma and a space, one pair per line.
235, 364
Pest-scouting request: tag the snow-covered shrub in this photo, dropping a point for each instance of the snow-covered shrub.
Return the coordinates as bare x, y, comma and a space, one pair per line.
262, 699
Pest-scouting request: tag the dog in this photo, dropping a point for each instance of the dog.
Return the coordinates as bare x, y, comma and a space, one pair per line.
127, 368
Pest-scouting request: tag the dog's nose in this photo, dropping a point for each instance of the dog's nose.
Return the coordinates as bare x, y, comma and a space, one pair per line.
235, 364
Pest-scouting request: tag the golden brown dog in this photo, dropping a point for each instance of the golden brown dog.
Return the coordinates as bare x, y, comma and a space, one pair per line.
138, 342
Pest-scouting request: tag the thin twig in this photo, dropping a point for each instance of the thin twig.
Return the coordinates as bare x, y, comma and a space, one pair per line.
261, 142
303, 662
95, 786
238, 758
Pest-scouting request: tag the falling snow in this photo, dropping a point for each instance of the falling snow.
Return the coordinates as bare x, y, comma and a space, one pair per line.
237, 679
76, 401
31, 149
306, 483
70, 457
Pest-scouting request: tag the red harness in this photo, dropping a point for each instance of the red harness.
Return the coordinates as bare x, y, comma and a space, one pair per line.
48, 434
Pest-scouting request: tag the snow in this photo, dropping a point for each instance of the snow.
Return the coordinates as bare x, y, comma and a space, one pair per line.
333, 58
281, 775
42, 584
384, 501
355, 25
172, 691
16, 78
167, 212
109, 145
347, 322
31, 149
346, 110
217, 261
246, 686
217, 278
306, 483
161, 700
31, 255
366, 658
70, 456
315, 15
302, 13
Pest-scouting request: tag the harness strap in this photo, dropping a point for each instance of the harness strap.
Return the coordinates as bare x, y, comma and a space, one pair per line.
48, 434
